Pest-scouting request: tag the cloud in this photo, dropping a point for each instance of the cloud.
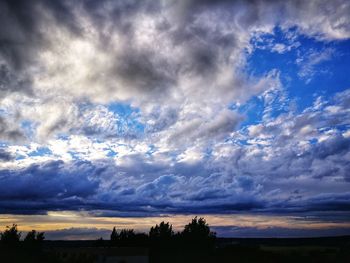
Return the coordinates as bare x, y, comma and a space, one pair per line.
187, 144
204, 128
5, 156
282, 165
12, 83
9, 131
23, 35
41, 186
335, 145
326, 201
105, 52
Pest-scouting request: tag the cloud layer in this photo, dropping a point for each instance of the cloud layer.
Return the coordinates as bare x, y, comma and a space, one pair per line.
129, 108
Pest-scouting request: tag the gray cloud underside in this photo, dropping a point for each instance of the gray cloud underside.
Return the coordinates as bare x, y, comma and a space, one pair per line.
151, 189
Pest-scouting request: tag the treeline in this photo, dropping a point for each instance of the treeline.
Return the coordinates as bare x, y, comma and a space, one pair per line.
11, 238
196, 233
161, 240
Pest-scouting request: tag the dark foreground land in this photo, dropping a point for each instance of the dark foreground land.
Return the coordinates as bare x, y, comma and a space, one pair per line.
327, 249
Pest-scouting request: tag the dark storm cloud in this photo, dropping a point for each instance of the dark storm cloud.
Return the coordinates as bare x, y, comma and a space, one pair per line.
143, 70
329, 202
24, 23
5, 156
103, 186
48, 181
9, 82
23, 36
140, 68
23, 33
335, 145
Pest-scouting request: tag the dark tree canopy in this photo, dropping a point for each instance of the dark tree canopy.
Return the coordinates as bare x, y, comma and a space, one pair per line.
11, 236
162, 231
197, 227
114, 235
124, 237
34, 238
198, 232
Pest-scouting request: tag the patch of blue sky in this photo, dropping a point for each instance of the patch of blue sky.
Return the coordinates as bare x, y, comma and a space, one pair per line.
28, 127
313, 141
128, 115
320, 77
208, 153
151, 149
19, 157
63, 137
122, 109
41, 151
252, 110
339, 128
74, 155
111, 153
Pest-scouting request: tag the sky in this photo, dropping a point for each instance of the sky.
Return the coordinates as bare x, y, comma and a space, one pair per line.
127, 113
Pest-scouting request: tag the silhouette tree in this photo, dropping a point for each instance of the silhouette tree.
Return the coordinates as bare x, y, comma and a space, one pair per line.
162, 231
126, 237
10, 237
34, 239
123, 238
114, 236
198, 233
161, 234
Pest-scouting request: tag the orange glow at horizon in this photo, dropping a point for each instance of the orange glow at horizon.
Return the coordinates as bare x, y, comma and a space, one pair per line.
65, 220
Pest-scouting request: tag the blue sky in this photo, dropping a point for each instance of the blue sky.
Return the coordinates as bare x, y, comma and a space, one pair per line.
128, 112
